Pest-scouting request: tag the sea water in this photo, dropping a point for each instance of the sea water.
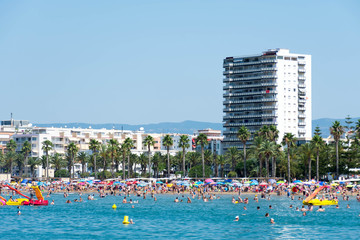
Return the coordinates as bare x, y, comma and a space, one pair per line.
164, 219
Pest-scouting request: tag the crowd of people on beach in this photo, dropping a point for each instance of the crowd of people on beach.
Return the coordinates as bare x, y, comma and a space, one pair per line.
203, 192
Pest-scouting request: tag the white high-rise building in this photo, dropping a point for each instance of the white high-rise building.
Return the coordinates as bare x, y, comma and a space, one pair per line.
272, 88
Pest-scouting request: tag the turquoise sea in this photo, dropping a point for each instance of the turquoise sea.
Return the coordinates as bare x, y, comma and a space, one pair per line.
165, 219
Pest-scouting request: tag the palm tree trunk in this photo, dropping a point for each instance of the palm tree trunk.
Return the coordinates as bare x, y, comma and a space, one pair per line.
317, 165
267, 166
222, 171
272, 167
25, 168
129, 167
47, 166
260, 165
95, 165
73, 167
123, 167
337, 159
288, 163
168, 162
112, 165
183, 164
309, 168
149, 163
203, 161
244, 159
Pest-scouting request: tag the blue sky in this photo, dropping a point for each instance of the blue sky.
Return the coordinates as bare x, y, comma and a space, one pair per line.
154, 61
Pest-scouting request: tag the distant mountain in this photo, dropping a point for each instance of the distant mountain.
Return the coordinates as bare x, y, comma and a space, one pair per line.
185, 127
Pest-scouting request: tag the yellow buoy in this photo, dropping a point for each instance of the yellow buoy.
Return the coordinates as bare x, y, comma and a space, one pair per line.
126, 220
114, 206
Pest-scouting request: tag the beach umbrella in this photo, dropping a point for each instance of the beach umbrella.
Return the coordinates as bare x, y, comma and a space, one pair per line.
209, 180
350, 186
334, 184
248, 182
199, 183
159, 182
297, 181
169, 185
263, 184
280, 182
272, 181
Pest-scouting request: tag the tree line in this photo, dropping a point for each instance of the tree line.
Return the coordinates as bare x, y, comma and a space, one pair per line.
259, 156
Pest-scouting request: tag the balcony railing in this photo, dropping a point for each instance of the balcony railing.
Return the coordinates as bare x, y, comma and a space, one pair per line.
250, 116
248, 124
302, 116
250, 93
250, 108
302, 86
251, 101
273, 84
302, 70
302, 78
301, 62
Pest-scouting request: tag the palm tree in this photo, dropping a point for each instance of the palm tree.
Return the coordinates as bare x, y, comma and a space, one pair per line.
337, 130
123, 150
142, 161
156, 160
208, 157
129, 144
149, 141
202, 140
72, 150
288, 140
317, 143
268, 149
184, 144
306, 150
10, 157
273, 136
104, 156
33, 162
26, 149
47, 146
82, 157
57, 161
222, 161
233, 154
113, 149
94, 147
255, 148
168, 142
193, 158
20, 162
244, 135
11, 145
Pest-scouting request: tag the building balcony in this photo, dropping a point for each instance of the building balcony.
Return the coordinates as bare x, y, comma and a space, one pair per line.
301, 62
269, 76
227, 109
250, 93
302, 124
268, 60
272, 84
250, 116
249, 124
269, 69
302, 131
238, 79
251, 101
302, 70
302, 86
302, 116
301, 100
301, 78
246, 63
301, 108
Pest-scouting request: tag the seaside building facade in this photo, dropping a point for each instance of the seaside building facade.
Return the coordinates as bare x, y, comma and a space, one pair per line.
272, 88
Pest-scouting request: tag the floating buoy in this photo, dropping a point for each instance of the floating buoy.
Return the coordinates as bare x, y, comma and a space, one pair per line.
114, 206
126, 220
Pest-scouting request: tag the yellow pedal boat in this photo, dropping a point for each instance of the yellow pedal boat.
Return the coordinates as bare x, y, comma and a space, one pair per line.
16, 202
318, 202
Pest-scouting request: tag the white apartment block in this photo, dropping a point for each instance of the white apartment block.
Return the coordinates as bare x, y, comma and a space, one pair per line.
272, 88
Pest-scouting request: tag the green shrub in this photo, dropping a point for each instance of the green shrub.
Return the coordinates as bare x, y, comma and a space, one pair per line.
62, 173
197, 171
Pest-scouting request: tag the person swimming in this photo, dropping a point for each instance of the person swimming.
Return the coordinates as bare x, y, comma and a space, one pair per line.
236, 219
